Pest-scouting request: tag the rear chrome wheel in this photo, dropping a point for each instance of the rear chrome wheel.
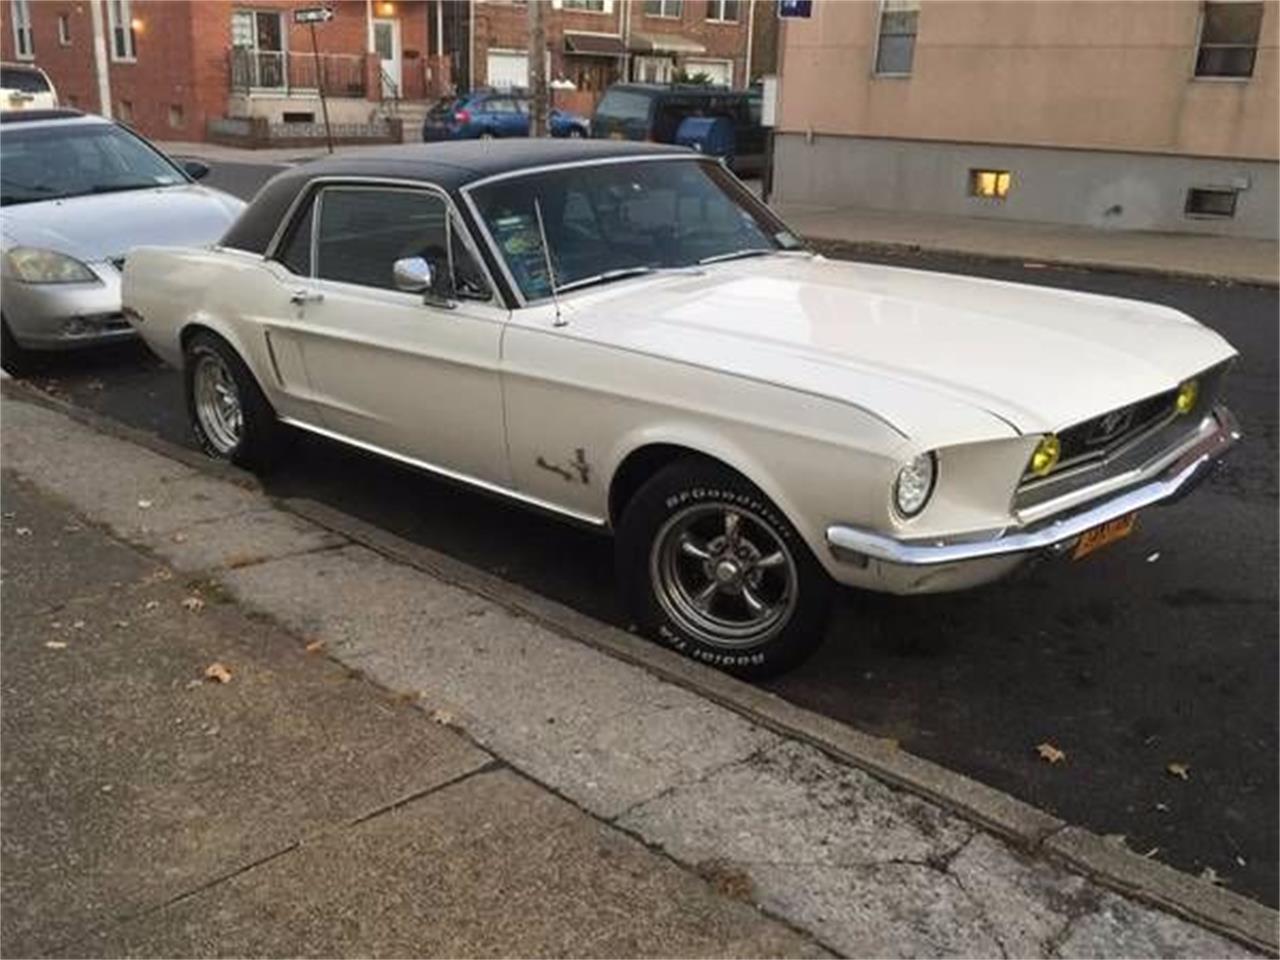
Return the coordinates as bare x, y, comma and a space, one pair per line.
217, 403
724, 575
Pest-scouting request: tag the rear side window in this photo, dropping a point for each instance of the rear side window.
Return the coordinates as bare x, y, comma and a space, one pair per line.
624, 105
28, 81
295, 254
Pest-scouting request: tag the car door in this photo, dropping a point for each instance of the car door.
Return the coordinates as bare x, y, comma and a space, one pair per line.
410, 374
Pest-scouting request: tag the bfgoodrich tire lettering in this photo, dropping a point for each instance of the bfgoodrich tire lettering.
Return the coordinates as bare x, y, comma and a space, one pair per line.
714, 570
243, 428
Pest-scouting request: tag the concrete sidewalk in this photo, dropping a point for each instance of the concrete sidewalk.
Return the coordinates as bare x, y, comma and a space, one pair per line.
846, 231
507, 790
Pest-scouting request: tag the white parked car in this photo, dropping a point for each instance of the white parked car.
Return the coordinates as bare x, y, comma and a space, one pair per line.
24, 86
621, 334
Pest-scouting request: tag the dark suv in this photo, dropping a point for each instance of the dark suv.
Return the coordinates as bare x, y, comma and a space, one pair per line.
654, 112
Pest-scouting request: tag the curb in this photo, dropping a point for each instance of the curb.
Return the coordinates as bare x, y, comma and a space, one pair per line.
849, 249
1026, 826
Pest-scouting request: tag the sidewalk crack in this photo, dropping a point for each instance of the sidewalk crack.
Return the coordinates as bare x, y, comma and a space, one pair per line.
488, 766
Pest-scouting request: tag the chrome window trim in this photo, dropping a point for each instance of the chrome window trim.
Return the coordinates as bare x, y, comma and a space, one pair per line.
320, 184
483, 227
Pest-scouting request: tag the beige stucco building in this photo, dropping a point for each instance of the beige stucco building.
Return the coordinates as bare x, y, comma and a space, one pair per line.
1130, 114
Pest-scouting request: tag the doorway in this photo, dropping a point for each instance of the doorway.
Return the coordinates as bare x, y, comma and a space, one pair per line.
386, 42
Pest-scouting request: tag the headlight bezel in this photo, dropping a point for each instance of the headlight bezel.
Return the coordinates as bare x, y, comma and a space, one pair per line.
40, 266
914, 508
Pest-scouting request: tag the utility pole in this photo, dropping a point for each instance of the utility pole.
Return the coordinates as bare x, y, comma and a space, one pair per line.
537, 70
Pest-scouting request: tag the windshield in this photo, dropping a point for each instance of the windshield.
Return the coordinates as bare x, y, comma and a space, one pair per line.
612, 220
75, 159
28, 81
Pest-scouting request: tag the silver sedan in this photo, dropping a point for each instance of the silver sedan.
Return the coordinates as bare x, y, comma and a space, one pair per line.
77, 192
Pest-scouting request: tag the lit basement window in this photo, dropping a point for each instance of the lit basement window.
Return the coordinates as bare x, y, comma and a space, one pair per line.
989, 183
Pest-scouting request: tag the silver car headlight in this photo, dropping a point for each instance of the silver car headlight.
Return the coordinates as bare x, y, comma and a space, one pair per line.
33, 265
914, 485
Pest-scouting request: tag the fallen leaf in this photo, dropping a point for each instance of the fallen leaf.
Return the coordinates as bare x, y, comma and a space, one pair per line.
144, 504
55, 645
23, 531
216, 671
151, 605
315, 646
194, 604
1180, 770
1050, 753
1210, 875
442, 717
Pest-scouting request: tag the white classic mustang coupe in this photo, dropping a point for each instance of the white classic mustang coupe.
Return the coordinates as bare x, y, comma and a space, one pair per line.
621, 334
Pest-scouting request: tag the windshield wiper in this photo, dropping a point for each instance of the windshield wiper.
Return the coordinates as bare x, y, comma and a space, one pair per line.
738, 254
620, 272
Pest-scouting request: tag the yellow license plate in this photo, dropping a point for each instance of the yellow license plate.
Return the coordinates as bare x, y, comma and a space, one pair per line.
1109, 532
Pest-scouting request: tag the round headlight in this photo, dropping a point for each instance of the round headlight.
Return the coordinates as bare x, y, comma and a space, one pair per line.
914, 484
1046, 455
1188, 394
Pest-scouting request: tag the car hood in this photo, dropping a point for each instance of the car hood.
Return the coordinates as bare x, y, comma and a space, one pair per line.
934, 354
104, 226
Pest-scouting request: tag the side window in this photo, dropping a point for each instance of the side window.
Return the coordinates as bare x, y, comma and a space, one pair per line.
295, 251
363, 231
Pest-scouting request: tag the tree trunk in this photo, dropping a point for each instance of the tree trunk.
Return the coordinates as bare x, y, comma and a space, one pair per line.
537, 69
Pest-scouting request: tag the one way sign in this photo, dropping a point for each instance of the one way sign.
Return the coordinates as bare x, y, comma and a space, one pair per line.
312, 15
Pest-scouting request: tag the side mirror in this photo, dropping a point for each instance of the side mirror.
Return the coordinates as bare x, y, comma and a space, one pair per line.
196, 169
412, 275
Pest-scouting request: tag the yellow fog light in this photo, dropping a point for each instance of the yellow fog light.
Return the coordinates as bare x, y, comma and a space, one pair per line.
1048, 450
1188, 393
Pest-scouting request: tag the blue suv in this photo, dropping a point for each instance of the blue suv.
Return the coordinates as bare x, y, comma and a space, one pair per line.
489, 114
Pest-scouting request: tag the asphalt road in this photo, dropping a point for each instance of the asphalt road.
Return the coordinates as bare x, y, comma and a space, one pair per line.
1160, 649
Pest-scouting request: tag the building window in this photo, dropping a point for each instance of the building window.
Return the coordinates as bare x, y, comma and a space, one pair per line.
664, 8
1217, 202
23, 46
993, 184
591, 6
120, 19
1228, 39
124, 111
64, 29
258, 50
724, 11
177, 119
896, 42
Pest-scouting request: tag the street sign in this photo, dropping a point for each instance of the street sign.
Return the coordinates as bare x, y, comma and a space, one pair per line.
795, 9
312, 15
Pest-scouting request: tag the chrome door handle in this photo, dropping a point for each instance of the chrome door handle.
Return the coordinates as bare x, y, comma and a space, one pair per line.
305, 296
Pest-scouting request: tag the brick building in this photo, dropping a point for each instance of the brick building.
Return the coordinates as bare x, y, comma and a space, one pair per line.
186, 70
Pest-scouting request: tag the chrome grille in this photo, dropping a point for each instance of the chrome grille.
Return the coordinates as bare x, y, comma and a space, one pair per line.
1119, 440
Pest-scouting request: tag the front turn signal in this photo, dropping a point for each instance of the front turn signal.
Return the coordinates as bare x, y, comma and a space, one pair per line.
1046, 455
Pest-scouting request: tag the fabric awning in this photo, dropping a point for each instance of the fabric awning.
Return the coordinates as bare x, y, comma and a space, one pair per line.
593, 44
664, 43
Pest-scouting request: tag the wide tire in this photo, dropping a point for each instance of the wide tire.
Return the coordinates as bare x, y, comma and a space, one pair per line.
713, 569
231, 418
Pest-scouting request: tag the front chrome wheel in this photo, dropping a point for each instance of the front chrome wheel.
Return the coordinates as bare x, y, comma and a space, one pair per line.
217, 403
723, 574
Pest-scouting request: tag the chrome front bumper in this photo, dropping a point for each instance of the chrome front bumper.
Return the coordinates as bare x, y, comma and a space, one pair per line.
1056, 535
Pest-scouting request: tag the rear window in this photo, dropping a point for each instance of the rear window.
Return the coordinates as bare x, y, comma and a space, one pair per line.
28, 81
444, 108
624, 105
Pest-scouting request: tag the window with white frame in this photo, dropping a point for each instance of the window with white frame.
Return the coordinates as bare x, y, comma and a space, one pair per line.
64, 29
124, 45
590, 6
1228, 39
723, 11
257, 49
23, 46
896, 41
664, 8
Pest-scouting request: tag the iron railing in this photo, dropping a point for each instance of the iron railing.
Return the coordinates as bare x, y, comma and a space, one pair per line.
276, 71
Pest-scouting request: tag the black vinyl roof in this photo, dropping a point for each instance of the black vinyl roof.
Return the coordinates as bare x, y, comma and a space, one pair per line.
451, 165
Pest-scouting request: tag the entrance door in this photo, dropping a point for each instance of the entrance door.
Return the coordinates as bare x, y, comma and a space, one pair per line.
386, 41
